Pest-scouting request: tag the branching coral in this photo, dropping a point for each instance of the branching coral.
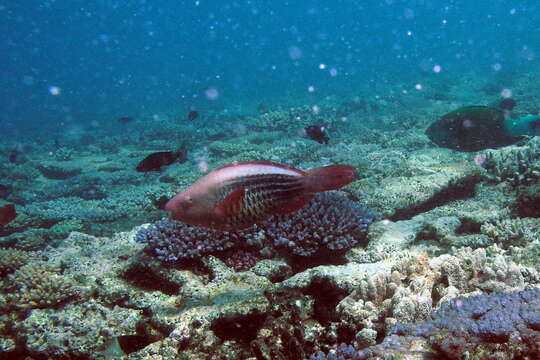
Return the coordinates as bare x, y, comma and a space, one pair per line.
171, 241
516, 232
11, 260
330, 222
38, 285
517, 165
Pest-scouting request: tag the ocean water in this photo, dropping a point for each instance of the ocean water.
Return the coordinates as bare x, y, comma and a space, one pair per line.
90, 89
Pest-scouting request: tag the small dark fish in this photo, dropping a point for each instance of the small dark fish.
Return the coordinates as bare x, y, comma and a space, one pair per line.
7, 214
192, 115
507, 104
13, 155
125, 120
57, 144
5, 191
317, 133
155, 161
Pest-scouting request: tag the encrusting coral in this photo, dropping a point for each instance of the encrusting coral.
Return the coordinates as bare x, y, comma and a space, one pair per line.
480, 324
472, 327
416, 285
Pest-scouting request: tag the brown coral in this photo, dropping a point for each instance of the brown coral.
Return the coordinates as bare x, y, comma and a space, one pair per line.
38, 285
516, 232
11, 260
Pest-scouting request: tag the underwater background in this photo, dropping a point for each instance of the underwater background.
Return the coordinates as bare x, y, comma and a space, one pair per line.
431, 254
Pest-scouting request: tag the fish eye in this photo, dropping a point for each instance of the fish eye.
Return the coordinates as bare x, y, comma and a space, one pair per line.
189, 198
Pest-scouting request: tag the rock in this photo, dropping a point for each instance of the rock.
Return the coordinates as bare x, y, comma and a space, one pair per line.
273, 270
402, 197
58, 172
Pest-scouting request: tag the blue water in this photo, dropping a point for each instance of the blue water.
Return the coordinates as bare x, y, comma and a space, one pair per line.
81, 62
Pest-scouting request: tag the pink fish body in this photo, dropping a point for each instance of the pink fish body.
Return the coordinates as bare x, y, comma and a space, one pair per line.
239, 195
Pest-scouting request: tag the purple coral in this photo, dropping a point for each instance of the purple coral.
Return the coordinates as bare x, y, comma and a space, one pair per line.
330, 221
490, 317
241, 260
172, 241
483, 320
342, 352
506, 324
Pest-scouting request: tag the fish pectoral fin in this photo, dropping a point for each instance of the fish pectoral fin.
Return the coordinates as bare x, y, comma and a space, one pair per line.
233, 203
294, 204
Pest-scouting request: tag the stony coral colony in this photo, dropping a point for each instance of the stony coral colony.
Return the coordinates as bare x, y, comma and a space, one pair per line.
451, 272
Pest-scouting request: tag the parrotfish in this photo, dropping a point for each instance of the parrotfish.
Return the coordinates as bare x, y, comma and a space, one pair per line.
474, 128
239, 195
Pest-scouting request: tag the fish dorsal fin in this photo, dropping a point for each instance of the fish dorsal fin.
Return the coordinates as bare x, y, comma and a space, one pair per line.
233, 203
294, 204
264, 162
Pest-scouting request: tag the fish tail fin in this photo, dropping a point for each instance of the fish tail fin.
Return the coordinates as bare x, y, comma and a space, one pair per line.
329, 178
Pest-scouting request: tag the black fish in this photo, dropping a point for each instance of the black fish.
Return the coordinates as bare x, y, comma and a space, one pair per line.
507, 104
125, 120
13, 155
317, 133
5, 191
475, 128
192, 115
155, 161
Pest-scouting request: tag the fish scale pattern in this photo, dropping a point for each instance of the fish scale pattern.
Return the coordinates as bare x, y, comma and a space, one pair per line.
329, 222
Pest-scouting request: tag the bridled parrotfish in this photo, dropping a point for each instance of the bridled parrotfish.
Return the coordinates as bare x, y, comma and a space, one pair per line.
475, 128
239, 195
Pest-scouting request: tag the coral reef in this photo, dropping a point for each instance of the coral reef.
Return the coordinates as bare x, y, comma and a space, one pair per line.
517, 232
459, 244
481, 325
38, 285
516, 165
171, 241
11, 260
329, 222
241, 260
